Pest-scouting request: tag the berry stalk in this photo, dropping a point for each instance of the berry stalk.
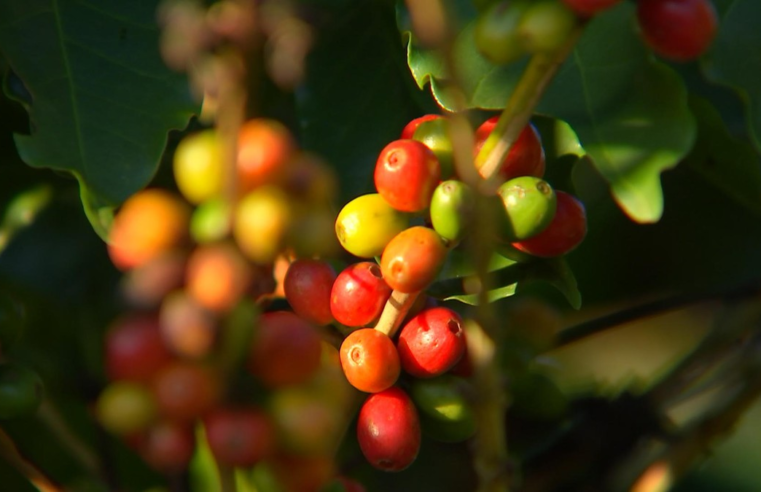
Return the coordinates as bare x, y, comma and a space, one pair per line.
396, 308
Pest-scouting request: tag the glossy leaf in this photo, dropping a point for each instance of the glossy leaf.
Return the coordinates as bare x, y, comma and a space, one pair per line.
733, 57
99, 96
629, 112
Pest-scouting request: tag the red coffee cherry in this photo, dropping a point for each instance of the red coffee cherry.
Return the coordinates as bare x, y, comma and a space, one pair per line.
431, 343
565, 232
409, 129
285, 350
369, 360
264, 148
680, 30
525, 157
412, 259
307, 286
168, 446
135, 349
388, 430
239, 436
185, 391
588, 8
406, 174
217, 276
359, 294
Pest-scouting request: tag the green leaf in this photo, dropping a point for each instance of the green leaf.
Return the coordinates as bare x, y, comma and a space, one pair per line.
355, 98
730, 164
629, 112
733, 57
102, 100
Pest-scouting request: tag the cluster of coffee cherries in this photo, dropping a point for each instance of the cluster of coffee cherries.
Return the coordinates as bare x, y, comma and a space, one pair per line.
416, 180
202, 354
680, 30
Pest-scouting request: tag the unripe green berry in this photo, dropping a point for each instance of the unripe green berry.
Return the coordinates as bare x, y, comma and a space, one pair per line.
452, 208
496, 31
434, 134
529, 204
545, 26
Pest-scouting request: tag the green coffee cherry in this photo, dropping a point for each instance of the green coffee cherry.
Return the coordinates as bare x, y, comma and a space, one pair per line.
210, 221
545, 26
442, 398
529, 204
434, 134
452, 208
20, 391
366, 224
496, 31
444, 431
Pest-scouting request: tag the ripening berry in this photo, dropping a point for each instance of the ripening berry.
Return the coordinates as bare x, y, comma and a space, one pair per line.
526, 155
217, 276
412, 259
564, 233
307, 287
431, 343
261, 225
406, 174
388, 430
264, 148
239, 437
412, 126
125, 407
210, 221
680, 30
307, 421
434, 134
187, 329
198, 166
146, 286
369, 360
149, 224
366, 224
452, 209
134, 348
185, 391
285, 349
359, 294
588, 8
167, 446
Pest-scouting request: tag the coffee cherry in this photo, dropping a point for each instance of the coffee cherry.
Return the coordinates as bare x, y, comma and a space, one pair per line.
306, 421
210, 221
442, 398
406, 174
125, 407
588, 8
146, 286
369, 360
680, 30
529, 204
300, 473
264, 148
285, 349
496, 31
366, 224
452, 207
310, 179
564, 233
526, 155
388, 430
198, 167
149, 224
134, 348
313, 232
261, 223
239, 436
431, 343
411, 127
359, 294
188, 330
412, 259
308, 285
448, 431
545, 26
168, 446
434, 134
217, 276
185, 391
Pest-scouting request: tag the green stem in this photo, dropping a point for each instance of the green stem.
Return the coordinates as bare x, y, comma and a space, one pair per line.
519, 108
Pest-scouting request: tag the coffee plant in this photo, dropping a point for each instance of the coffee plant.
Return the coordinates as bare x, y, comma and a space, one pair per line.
341, 245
